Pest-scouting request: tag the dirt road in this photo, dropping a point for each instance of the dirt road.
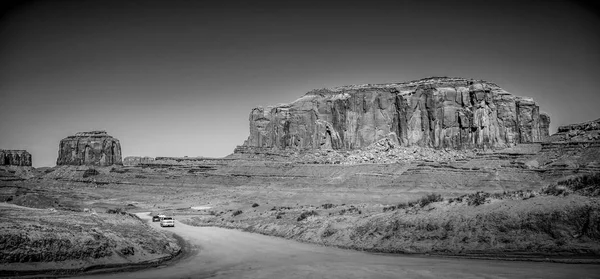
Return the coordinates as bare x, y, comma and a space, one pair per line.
223, 253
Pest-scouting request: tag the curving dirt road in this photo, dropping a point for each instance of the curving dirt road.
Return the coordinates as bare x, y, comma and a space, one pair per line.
223, 253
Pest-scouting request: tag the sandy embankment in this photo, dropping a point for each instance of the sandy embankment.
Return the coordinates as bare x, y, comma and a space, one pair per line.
46, 242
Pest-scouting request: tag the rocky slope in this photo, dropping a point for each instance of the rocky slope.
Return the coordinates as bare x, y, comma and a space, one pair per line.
574, 150
15, 158
453, 113
94, 148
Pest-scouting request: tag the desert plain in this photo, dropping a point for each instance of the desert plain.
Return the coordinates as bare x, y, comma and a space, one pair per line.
436, 178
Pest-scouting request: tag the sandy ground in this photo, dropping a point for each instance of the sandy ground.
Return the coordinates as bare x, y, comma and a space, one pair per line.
223, 253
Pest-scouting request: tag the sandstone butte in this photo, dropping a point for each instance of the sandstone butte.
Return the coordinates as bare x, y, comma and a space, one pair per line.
15, 158
437, 112
95, 148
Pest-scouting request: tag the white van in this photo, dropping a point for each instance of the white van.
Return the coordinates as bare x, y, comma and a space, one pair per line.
167, 222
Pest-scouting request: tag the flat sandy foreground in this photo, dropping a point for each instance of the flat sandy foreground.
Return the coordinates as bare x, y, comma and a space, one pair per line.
225, 253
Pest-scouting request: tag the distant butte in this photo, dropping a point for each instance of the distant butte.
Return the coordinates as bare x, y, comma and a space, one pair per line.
95, 148
15, 158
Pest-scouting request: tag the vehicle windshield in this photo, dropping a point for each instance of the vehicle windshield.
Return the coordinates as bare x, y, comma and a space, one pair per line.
167, 218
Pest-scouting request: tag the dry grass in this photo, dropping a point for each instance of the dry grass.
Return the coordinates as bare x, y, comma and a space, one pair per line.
55, 236
511, 224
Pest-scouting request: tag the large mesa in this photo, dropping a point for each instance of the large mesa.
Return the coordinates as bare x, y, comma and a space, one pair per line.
441, 112
94, 148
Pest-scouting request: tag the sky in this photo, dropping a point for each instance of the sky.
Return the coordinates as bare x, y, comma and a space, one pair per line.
179, 78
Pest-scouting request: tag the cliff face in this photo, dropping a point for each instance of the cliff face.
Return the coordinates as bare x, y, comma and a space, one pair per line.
450, 113
15, 158
94, 148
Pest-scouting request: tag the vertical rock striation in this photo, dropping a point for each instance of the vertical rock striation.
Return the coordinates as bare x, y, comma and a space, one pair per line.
452, 113
94, 148
15, 158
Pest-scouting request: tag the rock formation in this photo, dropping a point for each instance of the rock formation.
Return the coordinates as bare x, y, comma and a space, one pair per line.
452, 113
15, 158
137, 160
574, 150
581, 132
94, 148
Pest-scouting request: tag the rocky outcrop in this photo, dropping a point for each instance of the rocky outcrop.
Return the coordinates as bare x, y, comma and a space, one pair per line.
581, 132
15, 158
94, 148
137, 160
574, 150
450, 113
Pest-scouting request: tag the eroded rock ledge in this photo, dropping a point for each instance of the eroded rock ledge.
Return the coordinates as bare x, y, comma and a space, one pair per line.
580, 132
452, 113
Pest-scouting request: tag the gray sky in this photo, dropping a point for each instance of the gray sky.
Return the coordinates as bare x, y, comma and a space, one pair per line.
179, 78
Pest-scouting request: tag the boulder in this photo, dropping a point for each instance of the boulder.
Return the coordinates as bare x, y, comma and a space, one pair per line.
15, 158
443, 113
94, 148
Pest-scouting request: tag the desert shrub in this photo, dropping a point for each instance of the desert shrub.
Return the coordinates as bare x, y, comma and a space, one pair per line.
306, 214
281, 208
327, 205
404, 205
350, 210
328, 232
280, 215
116, 211
236, 213
389, 208
477, 198
498, 195
555, 190
427, 199
118, 170
586, 185
90, 172
255, 205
